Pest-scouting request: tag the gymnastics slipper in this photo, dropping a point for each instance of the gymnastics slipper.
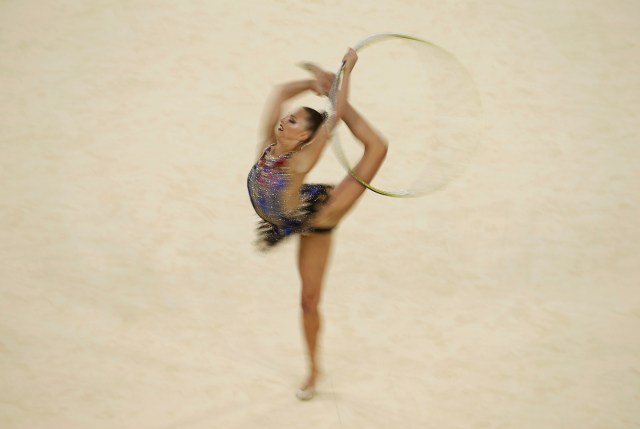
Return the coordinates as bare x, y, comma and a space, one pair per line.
305, 394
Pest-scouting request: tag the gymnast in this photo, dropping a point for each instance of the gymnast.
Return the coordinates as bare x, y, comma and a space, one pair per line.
289, 149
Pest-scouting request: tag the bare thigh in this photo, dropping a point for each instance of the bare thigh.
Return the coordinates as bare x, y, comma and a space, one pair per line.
313, 256
344, 196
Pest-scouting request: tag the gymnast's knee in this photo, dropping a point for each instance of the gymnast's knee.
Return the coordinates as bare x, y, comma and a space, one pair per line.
380, 146
377, 151
310, 302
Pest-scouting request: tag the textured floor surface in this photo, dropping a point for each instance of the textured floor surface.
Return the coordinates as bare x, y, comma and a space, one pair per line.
131, 296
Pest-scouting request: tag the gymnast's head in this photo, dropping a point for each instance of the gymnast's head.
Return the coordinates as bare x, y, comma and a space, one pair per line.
301, 125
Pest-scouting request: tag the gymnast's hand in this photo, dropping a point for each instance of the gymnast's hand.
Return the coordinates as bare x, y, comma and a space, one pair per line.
350, 59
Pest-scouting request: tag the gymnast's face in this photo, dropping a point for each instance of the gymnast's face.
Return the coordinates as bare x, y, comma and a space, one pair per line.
294, 126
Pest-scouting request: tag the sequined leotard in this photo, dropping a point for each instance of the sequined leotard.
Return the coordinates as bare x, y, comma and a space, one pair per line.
267, 184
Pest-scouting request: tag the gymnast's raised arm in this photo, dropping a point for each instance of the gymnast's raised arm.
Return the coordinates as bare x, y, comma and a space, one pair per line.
350, 59
273, 108
311, 154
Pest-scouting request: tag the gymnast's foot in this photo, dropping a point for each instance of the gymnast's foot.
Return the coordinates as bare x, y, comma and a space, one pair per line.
308, 390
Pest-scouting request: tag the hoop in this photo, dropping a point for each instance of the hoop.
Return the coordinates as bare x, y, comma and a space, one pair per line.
375, 38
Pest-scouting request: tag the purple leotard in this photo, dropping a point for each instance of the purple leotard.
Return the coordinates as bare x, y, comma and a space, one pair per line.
267, 184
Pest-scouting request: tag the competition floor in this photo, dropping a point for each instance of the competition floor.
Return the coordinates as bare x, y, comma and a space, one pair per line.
131, 296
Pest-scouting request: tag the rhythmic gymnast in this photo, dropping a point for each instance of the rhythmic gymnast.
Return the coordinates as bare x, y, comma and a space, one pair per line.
289, 150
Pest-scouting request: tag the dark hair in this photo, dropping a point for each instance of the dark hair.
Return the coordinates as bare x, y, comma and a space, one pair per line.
314, 121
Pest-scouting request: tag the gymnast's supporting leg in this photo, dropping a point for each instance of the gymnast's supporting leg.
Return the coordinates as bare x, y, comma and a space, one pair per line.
313, 256
314, 248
